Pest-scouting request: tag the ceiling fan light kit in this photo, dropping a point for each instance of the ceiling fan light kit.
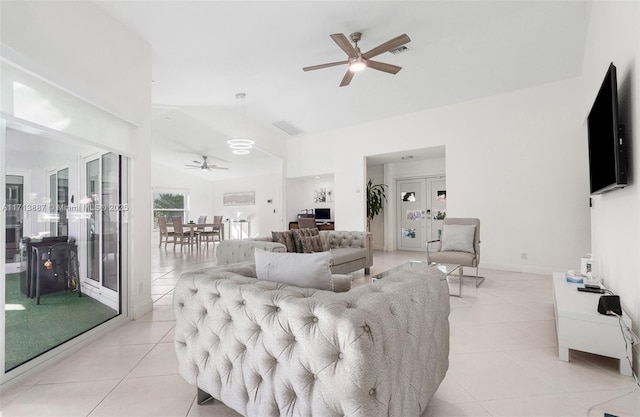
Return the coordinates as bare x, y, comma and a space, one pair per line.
358, 61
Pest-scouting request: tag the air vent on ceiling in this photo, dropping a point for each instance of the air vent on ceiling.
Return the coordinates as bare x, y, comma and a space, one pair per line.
399, 50
287, 127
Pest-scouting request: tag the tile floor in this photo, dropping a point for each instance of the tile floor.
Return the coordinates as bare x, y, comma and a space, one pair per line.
503, 359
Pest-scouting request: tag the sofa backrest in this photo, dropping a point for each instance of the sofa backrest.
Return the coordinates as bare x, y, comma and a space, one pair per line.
266, 348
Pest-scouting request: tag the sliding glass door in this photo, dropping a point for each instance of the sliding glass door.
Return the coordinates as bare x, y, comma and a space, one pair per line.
104, 208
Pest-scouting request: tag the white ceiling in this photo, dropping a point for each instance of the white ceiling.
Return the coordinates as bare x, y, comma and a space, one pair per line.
204, 52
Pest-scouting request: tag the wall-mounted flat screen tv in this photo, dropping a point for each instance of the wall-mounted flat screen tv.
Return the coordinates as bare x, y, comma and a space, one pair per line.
607, 147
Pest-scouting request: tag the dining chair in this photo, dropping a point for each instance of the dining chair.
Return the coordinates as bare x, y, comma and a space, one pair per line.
200, 229
165, 233
307, 223
215, 234
180, 236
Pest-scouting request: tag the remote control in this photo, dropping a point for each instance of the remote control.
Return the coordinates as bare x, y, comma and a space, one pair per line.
594, 290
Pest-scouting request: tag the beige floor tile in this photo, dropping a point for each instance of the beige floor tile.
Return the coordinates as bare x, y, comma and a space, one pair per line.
492, 375
161, 360
575, 376
100, 362
455, 410
159, 313
450, 392
165, 395
61, 399
161, 289
547, 406
136, 332
165, 300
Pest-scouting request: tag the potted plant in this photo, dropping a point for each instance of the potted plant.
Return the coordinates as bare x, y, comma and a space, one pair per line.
375, 200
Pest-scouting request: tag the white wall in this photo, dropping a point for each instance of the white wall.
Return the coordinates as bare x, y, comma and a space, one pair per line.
264, 217
614, 36
84, 50
517, 161
304, 197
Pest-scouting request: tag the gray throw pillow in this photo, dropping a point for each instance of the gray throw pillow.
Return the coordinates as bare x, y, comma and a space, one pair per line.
311, 244
298, 234
458, 238
286, 238
308, 270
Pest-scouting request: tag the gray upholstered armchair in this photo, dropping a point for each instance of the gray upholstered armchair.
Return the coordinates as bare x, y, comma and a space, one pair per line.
459, 244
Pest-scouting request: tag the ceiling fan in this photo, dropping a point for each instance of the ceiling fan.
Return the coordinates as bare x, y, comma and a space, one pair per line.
357, 60
204, 165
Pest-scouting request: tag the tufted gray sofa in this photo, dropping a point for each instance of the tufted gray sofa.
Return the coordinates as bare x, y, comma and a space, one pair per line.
350, 251
267, 349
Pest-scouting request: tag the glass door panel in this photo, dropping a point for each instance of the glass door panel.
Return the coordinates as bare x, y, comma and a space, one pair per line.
110, 220
103, 221
62, 191
14, 219
93, 223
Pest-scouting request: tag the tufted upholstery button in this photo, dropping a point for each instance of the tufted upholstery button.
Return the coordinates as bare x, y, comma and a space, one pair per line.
366, 328
315, 376
277, 309
315, 319
244, 302
372, 391
340, 355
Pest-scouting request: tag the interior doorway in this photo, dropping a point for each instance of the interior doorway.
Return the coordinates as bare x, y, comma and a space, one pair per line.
421, 208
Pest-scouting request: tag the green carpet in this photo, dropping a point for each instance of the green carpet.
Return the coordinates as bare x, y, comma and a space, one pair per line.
32, 329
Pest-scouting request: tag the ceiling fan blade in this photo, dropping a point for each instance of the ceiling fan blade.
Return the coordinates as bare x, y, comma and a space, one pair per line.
197, 162
381, 66
316, 67
193, 166
216, 167
344, 44
218, 159
387, 46
347, 78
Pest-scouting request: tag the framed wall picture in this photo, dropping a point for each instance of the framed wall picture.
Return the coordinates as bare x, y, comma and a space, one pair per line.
239, 199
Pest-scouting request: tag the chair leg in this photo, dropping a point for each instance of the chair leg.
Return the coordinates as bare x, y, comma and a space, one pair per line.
479, 279
203, 397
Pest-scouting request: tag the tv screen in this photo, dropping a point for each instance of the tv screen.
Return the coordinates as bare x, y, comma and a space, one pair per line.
323, 213
607, 156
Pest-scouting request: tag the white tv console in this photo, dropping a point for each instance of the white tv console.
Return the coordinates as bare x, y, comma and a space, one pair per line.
581, 327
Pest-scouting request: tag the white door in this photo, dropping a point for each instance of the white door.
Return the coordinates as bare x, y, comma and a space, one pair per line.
437, 207
100, 253
411, 206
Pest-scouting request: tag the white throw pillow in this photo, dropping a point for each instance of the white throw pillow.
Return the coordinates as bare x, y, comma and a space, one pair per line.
458, 237
309, 270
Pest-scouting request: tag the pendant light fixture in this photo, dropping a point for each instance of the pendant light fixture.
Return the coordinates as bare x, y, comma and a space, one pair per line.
239, 144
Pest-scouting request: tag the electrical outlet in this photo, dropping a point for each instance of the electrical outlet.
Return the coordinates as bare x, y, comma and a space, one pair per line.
524, 256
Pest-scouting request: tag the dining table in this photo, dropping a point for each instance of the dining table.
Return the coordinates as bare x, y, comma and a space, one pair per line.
192, 228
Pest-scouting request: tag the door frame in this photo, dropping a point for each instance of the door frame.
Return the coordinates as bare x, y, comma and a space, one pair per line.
395, 212
91, 287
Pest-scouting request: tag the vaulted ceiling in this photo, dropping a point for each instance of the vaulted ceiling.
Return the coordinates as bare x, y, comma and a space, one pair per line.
204, 52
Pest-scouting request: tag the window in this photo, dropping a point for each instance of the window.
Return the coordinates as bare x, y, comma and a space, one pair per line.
169, 203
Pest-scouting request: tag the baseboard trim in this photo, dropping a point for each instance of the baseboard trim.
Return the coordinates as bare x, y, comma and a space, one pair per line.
528, 269
142, 308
